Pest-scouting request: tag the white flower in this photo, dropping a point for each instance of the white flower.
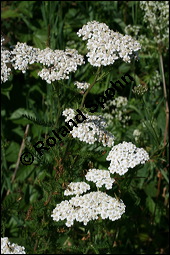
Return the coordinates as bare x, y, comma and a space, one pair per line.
76, 188
140, 89
69, 113
100, 178
88, 207
5, 59
124, 156
136, 134
91, 130
118, 110
82, 85
106, 46
132, 30
8, 248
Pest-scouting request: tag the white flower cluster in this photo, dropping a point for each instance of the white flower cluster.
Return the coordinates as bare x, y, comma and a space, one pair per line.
69, 114
136, 134
117, 108
120, 101
156, 81
23, 55
140, 89
105, 46
88, 207
76, 188
91, 130
124, 156
100, 178
132, 30
8, 248
157, 18
82, 85
59, 63
5, 59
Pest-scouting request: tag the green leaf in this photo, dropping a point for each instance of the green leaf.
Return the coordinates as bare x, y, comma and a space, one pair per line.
124, 68
19, 112
150, 204
12, 152
9, 14
151, 189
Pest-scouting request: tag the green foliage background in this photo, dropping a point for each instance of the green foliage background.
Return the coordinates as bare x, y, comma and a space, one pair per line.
28, 200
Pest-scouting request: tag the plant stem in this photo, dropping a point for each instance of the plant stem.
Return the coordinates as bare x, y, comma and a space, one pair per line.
89, 88
166, 100
19, 156
57, 92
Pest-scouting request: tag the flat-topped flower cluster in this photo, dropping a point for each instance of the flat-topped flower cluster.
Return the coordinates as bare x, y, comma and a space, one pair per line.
106, 46
88, 207
91, 130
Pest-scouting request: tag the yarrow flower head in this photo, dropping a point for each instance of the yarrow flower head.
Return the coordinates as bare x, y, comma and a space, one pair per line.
88, 207
23, 55
59, 63
124, 156
106, 46
91, 130
5, 60
82, 85
117, 109
8, 248
76, 188
155, 81
100, 178
136, 134
140, 89
132, 30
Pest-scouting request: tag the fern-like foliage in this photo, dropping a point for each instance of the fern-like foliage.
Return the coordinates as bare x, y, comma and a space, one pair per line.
39, 122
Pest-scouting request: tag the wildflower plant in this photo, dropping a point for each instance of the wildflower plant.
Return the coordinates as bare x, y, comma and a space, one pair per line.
83, 193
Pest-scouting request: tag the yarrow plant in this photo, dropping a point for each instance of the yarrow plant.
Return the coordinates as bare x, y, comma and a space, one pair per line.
84, 134
104, 47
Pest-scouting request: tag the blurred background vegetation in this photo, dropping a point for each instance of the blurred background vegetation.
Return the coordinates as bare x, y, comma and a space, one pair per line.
30, 193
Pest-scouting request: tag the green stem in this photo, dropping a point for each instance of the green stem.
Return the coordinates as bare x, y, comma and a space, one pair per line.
166, 99
89, 88
149, 119
58, 103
